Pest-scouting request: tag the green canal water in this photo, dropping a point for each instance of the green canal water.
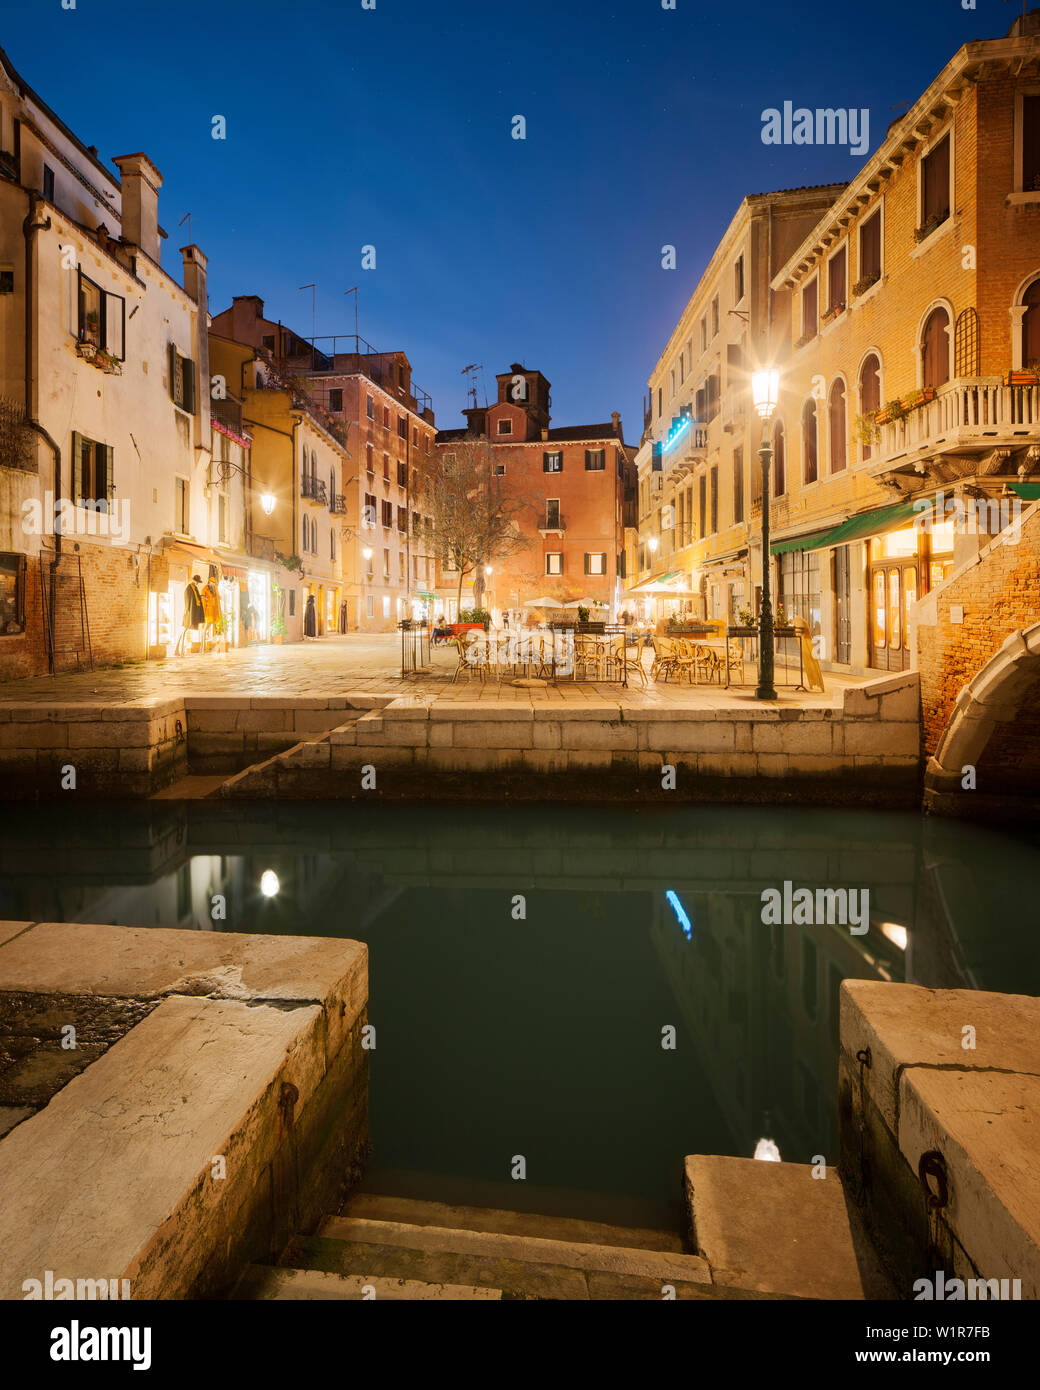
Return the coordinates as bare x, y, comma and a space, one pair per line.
529, 964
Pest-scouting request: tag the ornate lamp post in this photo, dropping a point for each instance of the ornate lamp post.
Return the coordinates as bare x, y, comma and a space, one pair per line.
765, 389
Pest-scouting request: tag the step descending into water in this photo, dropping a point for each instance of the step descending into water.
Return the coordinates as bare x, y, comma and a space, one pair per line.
522, 1266
265, 1282
419, 1212
774, 1230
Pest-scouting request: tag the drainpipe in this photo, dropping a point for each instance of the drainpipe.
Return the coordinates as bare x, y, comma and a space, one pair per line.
30, 227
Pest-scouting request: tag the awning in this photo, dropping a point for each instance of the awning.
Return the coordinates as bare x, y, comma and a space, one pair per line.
872, 523
676, 583
1028, 492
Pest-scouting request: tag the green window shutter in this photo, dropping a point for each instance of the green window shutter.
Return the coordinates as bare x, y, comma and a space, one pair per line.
188, 367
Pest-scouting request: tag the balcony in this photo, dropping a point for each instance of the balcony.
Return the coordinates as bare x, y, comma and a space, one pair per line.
552, 525
338, 505
228, 413
968, 416
313, 490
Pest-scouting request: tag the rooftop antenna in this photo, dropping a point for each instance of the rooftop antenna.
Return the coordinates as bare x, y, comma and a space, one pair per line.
186, 218
471, 389
354, 292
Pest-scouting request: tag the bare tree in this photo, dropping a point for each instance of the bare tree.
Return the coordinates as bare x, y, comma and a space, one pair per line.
475, 520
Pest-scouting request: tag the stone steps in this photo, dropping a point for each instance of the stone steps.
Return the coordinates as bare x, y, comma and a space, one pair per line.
266, 1282
774, 1230
379, 1207
522, 1266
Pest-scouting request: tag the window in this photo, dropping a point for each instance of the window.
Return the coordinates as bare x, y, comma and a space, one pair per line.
101, 317
48, 183
500, 469
870, 251
704, 334
332, 545
336, 400
714, 500
222, 510
7, 280
402, 520
402, 474
182, 380
415, 436
12, 593
552, 514
92, 472
370, 606
738, 485
1030, 143
553, 462
595, 562
388, 514
369, 518
682, 368
800, 586
386, 605
836, 425
292, 603
402, 427
595, 460
810, 309
671, 382
181, 512
869, 391
738, 280
935, 349
505, 427
703, 499
836, 282
386, 417
1031, 324
715, 317
268, 341
370, 459
554, 562
386, 468
779, 469
400, 566
935, 187
370, 409
386, 565
809, 456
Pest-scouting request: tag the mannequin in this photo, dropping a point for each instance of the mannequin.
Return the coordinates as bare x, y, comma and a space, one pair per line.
211, 607
310, 618
194, 612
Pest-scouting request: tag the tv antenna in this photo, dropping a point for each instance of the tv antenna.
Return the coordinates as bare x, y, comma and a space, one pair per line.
186, 218
471, 371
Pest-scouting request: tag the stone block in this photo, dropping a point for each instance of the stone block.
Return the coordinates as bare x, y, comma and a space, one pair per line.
43, 735
313, 721
547, 734
492, 734
585, 733
264, 721
692, 736
474, 711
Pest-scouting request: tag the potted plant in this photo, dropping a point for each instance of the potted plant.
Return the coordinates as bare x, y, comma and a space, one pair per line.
862, 285
278, 617
583, 614
781, 621
867, 431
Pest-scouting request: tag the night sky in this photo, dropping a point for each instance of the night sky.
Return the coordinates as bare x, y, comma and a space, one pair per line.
392, 127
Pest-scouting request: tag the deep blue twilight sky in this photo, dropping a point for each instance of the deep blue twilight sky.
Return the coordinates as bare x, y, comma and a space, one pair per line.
392, 127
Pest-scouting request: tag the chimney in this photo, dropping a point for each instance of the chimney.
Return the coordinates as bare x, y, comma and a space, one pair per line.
141, 182
195, 288
615, 420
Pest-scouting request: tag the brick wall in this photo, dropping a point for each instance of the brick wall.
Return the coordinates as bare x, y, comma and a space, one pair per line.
1000, 593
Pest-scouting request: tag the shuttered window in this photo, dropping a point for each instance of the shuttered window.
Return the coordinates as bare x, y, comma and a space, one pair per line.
870, 248
738, 485
809, 454
100, 317
1031, 143
935, 184
836, 280
935, 349
810, 316
836, 426
182, 380
92, 472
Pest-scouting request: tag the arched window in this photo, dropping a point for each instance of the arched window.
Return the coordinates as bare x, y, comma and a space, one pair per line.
836, 425
809, 453
1031, 326
779, 470
869, 391
935, 349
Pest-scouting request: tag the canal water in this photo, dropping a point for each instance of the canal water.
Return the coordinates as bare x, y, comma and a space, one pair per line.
594, 989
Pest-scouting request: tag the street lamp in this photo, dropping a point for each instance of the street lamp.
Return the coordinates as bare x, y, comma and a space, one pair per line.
765, 390
267, 502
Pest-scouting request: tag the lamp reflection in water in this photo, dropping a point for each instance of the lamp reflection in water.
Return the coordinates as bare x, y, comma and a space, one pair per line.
269, 884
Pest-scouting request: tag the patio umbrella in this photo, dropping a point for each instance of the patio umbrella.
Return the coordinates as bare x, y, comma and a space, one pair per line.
544, 602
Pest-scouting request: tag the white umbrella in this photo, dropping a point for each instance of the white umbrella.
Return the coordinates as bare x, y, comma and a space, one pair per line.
544, 602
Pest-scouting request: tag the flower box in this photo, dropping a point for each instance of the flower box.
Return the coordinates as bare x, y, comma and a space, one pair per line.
861, 286
1023, 377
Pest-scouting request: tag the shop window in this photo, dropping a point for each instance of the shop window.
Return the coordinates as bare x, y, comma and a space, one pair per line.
800, 590
12, 594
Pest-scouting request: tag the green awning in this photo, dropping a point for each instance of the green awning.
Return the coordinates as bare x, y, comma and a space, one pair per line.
872, 523
1029, 492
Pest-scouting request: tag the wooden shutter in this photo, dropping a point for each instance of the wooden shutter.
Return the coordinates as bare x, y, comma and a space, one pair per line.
114, 311
188, 370
870, 247
1031, 143
937, 181
809, 297
836, 278
171, 357
935, 349
74, 466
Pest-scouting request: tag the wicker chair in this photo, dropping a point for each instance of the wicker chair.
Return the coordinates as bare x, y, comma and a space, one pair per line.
478, 667
622, 662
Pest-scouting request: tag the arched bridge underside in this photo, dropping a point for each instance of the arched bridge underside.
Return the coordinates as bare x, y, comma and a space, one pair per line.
990, 750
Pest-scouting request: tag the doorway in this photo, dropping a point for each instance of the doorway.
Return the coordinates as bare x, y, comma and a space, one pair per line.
894, 587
